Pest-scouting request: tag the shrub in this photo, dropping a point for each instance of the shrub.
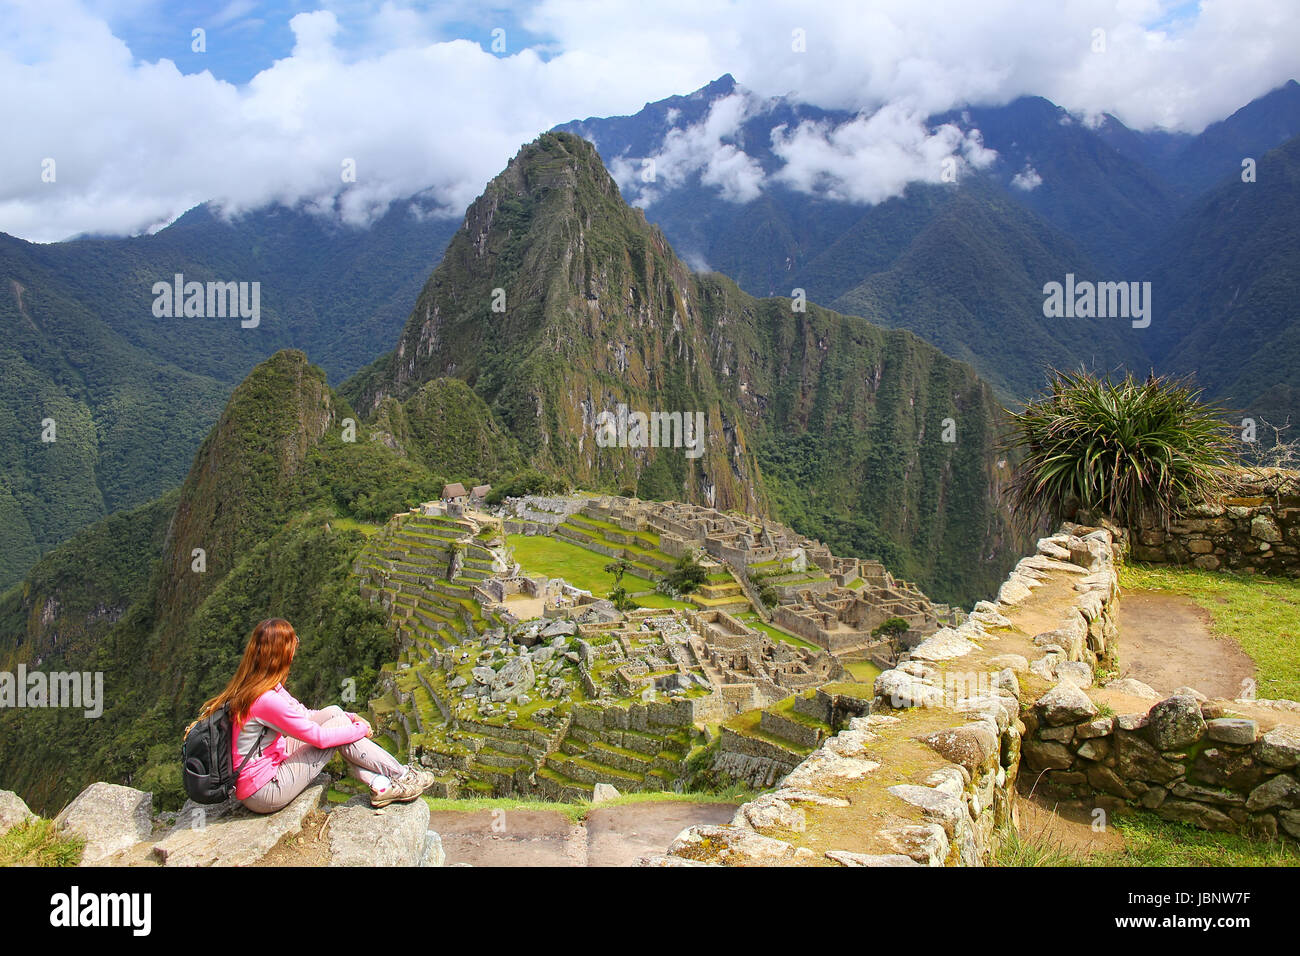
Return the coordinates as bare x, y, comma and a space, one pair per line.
1121, 448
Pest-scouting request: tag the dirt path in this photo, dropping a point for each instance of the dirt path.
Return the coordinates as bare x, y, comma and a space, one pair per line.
1068, 828
1167, 641
609, 836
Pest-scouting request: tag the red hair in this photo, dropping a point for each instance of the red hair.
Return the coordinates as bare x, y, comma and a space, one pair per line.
265, 664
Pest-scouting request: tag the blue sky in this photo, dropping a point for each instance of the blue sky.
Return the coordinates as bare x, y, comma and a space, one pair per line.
412, 96
243, 37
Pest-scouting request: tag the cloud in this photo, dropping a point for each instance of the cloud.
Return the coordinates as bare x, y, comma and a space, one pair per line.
873, 157
137, 142
1027, 179
702, 149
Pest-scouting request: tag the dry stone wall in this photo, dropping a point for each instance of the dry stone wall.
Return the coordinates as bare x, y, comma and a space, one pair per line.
1256, 528
1003, 704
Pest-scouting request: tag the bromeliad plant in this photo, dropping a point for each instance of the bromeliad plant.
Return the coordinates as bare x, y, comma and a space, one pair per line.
1123, 448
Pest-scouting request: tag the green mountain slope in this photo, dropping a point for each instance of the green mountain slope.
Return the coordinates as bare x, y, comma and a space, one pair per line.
279, 502
1229, 277
971, 282
832, 423
132, 394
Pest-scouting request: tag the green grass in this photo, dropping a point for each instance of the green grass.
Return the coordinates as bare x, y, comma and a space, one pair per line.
864, 672
36, 843
352, 524
1150, 841
751, 619
1262, 614
585, 569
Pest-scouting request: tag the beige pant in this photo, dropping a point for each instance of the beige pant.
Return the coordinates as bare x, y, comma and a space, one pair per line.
304, 762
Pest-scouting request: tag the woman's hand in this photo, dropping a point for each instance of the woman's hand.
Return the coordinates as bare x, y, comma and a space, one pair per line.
370, 731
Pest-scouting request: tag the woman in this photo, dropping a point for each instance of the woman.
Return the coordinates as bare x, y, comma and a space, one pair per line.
286, 744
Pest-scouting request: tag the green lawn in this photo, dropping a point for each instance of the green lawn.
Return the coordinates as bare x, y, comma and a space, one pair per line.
585, 569
864, 672
1262, 614
1150, 841
751, 619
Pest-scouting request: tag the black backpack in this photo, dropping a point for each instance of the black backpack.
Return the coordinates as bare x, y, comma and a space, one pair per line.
205, 758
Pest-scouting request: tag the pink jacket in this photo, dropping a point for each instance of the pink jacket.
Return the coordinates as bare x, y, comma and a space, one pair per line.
280, 711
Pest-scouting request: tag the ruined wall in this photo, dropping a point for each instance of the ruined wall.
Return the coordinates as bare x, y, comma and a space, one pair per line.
1256, 528
1184, 759
1004, 704
929, 777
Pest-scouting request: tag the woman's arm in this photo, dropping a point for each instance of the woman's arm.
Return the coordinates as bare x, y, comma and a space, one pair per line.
287, 715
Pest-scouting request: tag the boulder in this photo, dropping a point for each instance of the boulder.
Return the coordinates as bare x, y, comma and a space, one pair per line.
1077, 672
737, 846
1227, 768
769, 812
1138, 760
13, 811
237, 836
1133, 688
970, 745
1175, 722
927, 844
363, 836
604, 792
109, 817
1041, 755
1198, 814
1065, 704
942, 808
516, 677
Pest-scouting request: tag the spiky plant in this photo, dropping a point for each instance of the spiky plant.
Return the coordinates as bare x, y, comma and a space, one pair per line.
1122, 448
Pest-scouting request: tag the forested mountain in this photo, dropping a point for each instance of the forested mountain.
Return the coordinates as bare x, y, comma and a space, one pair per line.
132, 394
963, 264
161, 599
1228, 275
828, 421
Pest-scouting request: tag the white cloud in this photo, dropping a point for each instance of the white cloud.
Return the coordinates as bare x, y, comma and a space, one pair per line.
873, 158
136, 143
1027, 179
698, 148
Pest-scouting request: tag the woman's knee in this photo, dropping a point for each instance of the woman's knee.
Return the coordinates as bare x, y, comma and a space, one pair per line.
332, 711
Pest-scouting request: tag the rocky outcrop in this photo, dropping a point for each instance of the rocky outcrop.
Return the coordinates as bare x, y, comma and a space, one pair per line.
109, 817
13, 811
397, 835
119, 830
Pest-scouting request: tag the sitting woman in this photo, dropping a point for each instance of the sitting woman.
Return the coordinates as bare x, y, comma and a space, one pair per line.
301, 741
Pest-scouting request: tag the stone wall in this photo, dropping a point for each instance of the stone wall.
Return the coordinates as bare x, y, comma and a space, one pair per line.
1184, 758
929, 777
1253, 529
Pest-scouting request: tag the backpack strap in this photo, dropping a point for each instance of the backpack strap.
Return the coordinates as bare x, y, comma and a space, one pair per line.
257, 749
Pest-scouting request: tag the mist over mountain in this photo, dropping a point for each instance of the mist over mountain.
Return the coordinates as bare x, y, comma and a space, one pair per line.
1038, 193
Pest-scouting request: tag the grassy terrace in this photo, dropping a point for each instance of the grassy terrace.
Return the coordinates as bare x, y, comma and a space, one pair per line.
585, 569
1262, 614
751, 619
